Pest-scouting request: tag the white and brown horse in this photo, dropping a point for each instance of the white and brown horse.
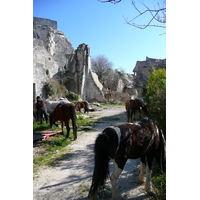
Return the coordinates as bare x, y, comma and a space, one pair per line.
123, 141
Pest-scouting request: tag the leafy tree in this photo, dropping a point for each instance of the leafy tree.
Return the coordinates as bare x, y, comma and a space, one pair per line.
156, 96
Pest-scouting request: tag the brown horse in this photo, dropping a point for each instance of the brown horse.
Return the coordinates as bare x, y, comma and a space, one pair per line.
64, 112
132, 106
82, 104
122, 141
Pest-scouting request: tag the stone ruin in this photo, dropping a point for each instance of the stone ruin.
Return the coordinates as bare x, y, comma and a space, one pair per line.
142, 70
79, 78
53, 51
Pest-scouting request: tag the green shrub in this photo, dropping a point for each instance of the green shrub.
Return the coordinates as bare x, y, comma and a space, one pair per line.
47, 72
72, 96
156, 96
159, 181
54, 89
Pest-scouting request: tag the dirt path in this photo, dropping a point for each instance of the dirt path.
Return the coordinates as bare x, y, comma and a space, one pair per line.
71, 179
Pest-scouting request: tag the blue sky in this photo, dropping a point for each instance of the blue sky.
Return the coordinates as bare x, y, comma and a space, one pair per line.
103, 28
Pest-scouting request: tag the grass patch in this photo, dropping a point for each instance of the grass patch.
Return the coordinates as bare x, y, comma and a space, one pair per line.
82, 121
159, 181
40, 127
53, 150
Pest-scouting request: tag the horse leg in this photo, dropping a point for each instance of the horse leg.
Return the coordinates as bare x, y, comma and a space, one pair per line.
142, 170
148, 186
68, 129
131, 116
114, 177
128, 115
75, 131
62, 127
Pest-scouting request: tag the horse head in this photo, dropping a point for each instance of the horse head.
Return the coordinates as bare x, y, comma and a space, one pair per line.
51, 120
145, 108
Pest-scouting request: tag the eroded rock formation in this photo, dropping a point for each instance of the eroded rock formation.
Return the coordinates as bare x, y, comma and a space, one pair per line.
54, 57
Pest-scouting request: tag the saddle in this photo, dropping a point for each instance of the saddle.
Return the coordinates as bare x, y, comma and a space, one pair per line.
134, 128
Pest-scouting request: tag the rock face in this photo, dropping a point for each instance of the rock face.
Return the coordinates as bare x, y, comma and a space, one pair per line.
54, 57
141, 72
79, 78
51, 52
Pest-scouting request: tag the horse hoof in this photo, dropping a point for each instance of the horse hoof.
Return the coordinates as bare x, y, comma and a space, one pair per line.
151, 193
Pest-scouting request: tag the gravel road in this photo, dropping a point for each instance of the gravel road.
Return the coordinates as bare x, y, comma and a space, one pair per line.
71, 179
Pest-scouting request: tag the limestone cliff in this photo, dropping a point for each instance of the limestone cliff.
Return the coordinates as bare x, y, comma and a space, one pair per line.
54, 57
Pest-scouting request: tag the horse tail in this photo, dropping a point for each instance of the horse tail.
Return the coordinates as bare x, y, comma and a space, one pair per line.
162, 150
101, 167
73, 112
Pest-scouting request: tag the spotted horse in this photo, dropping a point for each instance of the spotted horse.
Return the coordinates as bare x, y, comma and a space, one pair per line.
120, 142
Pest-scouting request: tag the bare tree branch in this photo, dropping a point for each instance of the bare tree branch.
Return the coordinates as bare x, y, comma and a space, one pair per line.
155, 16
100, 65
110, 1
158, 18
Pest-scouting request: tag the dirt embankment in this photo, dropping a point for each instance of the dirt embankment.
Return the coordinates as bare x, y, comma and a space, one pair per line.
71, 179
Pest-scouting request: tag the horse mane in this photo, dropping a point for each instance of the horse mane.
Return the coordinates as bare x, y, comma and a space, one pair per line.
145, 122
77, 106
162, 146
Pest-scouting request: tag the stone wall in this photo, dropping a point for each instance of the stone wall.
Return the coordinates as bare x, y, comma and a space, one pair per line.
42, 61
46, 22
